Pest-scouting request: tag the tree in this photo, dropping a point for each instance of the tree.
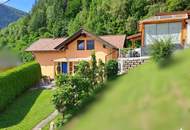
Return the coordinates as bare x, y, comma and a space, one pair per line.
177, 5
101, 71
94, 68
38, 20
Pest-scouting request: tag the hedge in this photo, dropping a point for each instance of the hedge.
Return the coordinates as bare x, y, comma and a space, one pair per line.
15, 81
111, 69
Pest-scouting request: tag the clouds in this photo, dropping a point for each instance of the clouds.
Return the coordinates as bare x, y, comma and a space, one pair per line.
2, 1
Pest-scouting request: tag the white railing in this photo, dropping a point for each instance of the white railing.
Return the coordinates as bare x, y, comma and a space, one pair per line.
127, 53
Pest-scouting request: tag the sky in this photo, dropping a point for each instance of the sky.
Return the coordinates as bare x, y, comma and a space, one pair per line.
25, 5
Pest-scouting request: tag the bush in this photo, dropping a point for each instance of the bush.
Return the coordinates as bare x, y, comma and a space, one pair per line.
83, 69
61, 79
69, 97
161, 50
75, 91
101, 71
111, 69
13, 82
94, 68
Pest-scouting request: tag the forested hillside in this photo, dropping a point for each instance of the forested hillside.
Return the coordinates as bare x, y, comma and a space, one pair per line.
8, 15
56, 18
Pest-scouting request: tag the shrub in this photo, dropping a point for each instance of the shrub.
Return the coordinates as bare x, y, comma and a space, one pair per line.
69, 97
94, 69
83, 69
161, 50
13, 82
61, 80
111, 69
75, 91
101, 71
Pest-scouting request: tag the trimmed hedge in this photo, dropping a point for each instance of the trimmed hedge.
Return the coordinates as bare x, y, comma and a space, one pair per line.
111, 69
14, 81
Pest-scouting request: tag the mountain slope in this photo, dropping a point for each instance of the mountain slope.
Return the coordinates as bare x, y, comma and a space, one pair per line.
9, 15
58, 18
147, 98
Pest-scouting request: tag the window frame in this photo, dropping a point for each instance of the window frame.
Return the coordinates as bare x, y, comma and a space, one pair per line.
80, 42
88, 47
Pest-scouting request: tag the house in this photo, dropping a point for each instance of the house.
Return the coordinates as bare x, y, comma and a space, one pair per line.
62, 54
175, 25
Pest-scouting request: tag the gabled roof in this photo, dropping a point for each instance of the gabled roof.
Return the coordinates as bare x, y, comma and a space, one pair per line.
45, 44
86, 33
50, 44
116, 40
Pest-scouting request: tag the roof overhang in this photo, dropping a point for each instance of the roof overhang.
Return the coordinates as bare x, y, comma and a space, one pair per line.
72, 59
84, 33
134, 37
162, 21
166, 18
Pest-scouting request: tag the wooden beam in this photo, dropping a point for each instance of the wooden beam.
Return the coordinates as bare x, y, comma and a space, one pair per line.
162, 21
183, 32
142, 36
54, 69
140, 27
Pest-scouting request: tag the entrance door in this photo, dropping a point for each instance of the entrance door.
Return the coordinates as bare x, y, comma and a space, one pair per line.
64, 67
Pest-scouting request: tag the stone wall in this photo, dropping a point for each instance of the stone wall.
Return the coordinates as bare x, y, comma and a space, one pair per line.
126, 64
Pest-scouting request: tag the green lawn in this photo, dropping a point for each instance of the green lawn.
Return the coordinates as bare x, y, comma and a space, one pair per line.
27, 111
147, 98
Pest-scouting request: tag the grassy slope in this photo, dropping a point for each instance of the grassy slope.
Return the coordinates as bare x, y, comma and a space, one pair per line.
148, 98
27, 111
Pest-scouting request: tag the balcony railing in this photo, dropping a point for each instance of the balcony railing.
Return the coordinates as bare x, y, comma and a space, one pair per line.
130, 53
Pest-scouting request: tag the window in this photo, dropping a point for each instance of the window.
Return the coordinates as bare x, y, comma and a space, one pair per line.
80, 45
104, 46
90, 44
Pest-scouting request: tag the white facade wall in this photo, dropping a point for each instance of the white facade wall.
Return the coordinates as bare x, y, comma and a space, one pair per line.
162, 31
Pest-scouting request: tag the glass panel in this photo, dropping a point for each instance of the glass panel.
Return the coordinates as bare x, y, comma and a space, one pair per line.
174, 31
90, 44
80, 45
150, 33
162, 31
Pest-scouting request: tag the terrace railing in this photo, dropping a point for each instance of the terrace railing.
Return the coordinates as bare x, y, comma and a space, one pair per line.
129, 52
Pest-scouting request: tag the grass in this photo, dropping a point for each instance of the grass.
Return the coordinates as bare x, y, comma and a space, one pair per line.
147, 98
27, 111
2, 70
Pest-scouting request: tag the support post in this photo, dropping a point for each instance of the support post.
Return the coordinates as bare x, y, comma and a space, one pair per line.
142, 36
121, 61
